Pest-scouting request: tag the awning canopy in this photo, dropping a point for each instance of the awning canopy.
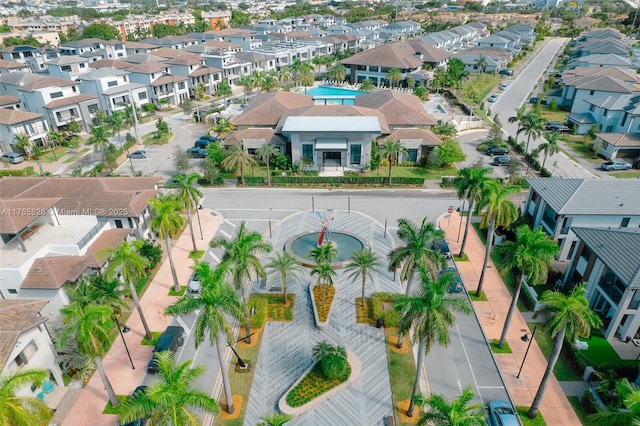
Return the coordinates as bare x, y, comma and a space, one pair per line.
331, 144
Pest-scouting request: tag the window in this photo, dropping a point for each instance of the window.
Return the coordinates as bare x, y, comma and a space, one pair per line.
66, 68
591, 93
12, 291
356, 154
82, 65
92, 108
74, 89
625, 222
55, 95
181, 85
142, 96
606, 112
307, 151
592, 108
112, 83
609, 130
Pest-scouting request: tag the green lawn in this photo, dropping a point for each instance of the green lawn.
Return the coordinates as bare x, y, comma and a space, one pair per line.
482, 85
481, 298
581, 145
150, 139
401, 372
526, 421
601, 352
562, 370
414, 172
549, 115
506, 349
631, 174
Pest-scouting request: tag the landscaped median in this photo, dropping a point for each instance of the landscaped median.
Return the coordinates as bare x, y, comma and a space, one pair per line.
356, 369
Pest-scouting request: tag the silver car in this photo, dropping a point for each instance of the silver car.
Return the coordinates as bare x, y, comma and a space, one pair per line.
12, 157
615, 165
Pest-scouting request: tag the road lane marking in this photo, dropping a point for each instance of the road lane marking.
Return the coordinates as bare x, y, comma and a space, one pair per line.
466, 355
230, 223
225, 234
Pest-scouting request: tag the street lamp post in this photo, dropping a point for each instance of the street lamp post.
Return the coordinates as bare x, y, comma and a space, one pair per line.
526, 338
460, 226
126, 329
199, 224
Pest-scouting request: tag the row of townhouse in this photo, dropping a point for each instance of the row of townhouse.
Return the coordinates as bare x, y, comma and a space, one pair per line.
53, 231
596, 223
601, 87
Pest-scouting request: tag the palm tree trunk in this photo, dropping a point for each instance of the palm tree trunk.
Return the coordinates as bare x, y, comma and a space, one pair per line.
176, 284
466, 229
107, 384
220, 345
526, 148
193, 238
555, 353
512, 308
268, 173
242, 174
416, 383
247, 323
136, 301
487, 253
363, 285
390, 172
283, 284
546, 154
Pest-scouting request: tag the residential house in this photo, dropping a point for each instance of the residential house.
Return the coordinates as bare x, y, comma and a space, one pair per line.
560, 204
496, 41
18, 122
113, 89
10, 102
12, 66
406, 29
245, 38
134, 47
608, 260
602, 61
197, 72
164, 87
625, 146
69, 67
171, 42
216, 19
35, 57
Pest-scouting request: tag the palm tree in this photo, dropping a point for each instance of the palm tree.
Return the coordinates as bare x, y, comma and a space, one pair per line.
416, 250
238, 159
224, 90
296, 69
457, 412
532, 125
265, 152
432, 312
530, 254
481, 64
223, 127
307, 77
168, 400
275, 419
90, 326
363, 263
199, 91
445, 130
22, 410
570, 318
339, 72
324, 253
217, 301
242, 255
100, 140
284, 264
551, 147
165, 223
367, 85
189, 195
519, 119
394, 76
126, 261
497, 210
325, 274
55, 139
470, 186
24, 143
117, 121
284, 75
613, 416
391, 150
106, 292
247, 84
269, 82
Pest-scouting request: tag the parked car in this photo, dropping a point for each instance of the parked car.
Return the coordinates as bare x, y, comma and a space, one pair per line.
502, 160
615, 165
457, 287
442, 247
195, 286
209, 138
12, 158
493, 98
171, 182
139, 391
503, 86
170, 340
556, 126
141, 153
497, 150
501, 413
196, 152
200, 115
204, 141
505, 71
534, 99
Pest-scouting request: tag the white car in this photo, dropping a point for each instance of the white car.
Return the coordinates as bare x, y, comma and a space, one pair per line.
615, 165
493, 98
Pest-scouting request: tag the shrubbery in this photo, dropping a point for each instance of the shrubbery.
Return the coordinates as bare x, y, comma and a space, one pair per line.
336, 181
391, 318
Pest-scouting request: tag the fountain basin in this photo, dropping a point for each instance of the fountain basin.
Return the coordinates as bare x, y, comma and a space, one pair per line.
346, 244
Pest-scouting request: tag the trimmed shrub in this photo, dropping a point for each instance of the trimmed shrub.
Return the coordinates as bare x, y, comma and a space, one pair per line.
333, 181
27, 171
390, 317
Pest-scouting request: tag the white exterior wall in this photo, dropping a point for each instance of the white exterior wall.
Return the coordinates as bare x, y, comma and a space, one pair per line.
580, 106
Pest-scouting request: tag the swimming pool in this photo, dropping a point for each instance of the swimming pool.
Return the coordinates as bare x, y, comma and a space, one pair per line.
332, 91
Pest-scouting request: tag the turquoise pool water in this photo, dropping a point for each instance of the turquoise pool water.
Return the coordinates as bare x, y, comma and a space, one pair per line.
332, 91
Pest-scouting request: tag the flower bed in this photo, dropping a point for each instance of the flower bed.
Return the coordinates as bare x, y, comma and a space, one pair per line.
313, 385
323, 310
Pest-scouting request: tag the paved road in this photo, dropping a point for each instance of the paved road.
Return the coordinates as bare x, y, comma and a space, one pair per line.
524, 85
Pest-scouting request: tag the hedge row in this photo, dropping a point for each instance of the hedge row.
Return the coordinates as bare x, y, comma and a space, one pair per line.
27, 171
332, 180
391, 318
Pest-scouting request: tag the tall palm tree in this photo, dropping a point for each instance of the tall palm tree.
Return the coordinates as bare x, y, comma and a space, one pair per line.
284, 264
165, 223
325, 274
367, 85
217, 301
168, 401
126, 261
223, 127
307, 77
324, 253
530, 254
265, 152
106, 292
339, 72
416, 250
189, 195
363, 264
238, 159
394, 76
570, 318
470, 186
247, 84
90, 326
296, 69
519, 119
117, 121
100, 140
432, 311
285, 75
550, 147
23, 142
224, 90
198, 92
391, 150
496, 210
242, 255
613, 416
532, 125
456, 412
481, 64
22, 410
269, 82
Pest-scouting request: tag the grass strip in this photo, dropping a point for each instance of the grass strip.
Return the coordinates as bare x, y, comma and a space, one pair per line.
402, 370
526, 421
505, 349
562, 370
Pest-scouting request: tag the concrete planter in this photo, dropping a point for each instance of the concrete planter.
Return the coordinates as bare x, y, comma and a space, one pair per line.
321, 325
356, 370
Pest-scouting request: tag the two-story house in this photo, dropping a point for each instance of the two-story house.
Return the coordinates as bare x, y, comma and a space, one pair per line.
68, 66
245, 38
35, 57
18, 122
559, 204
194, 68
113, 89
7, 66
164, 86
608, 260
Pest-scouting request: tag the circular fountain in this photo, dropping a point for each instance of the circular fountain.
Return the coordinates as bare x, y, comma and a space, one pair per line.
345, 243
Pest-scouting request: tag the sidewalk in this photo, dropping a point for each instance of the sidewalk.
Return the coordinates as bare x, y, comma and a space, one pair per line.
92, 400
555, 407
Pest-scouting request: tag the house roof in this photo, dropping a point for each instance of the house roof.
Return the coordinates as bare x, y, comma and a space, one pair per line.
9, 100
11, 116
53, 272
103, 72
393, 55
338, 111
148, 68
267, 108
589, 196
609, 244
67, 60
331, 124
165, 52
70, 100
110, 63
619, 73
142, 58
16, 317
398, 108
427, 136
29, 209
169, 78
185, 60
46, 82
600, 83
267, 135
12, 64
222, 44
621, 139
108, 239
108, 197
